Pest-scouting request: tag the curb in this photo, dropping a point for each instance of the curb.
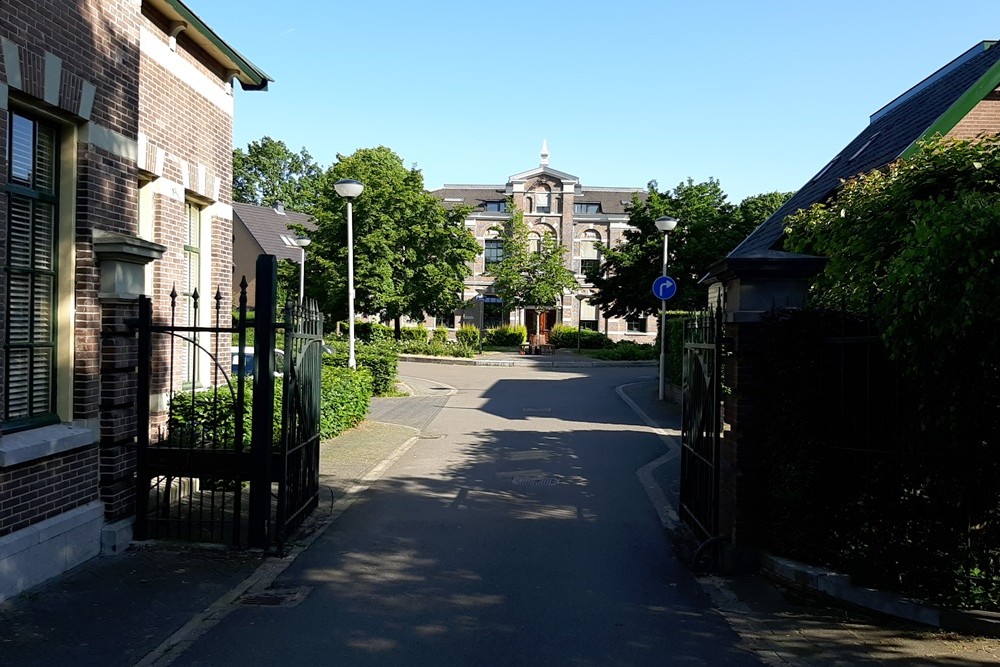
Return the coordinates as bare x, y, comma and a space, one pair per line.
459, 361
839, 587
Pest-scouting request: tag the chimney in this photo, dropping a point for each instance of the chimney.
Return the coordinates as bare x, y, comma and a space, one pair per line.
279, 207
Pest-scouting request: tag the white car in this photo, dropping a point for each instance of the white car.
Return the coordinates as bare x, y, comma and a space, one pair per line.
250, 362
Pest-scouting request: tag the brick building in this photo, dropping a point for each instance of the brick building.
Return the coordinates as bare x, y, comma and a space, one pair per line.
556, 203
116, 153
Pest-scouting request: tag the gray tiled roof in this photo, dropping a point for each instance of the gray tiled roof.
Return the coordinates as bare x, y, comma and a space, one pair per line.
610, 199
891, 132
267, 226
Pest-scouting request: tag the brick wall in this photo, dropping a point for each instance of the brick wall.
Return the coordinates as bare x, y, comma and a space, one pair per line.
983, 119
45, 488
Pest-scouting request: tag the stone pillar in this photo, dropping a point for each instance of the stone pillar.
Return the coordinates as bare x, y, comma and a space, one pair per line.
750, 286
122, 280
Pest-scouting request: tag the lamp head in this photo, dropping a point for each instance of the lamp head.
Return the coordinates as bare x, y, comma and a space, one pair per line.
666, 223
302, 241
348, 188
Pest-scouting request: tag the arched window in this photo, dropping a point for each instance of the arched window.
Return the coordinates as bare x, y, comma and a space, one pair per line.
534, 242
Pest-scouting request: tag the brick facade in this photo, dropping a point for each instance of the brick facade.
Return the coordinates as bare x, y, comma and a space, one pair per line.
140, 97
529, 190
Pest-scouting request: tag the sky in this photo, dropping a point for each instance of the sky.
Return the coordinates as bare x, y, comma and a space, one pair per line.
757, 95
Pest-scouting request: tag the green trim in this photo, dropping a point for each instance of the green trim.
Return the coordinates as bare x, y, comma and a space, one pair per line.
961, 108
249, 74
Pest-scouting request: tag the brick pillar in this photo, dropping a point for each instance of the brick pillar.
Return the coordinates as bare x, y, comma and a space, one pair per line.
122, 279
751, 285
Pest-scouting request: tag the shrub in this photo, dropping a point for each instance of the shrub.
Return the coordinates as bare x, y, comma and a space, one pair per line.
437, 348
469, 335
372, 332
381, 360
507, 335
562, 335
440, 334
413, 333
627, 350
344, 401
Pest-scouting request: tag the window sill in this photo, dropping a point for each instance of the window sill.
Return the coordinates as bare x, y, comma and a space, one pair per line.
37, 443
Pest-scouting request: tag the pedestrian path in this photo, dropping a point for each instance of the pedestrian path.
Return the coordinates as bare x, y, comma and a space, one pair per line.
142, 606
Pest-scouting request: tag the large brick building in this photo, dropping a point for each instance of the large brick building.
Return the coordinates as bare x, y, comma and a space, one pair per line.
556, 203
116, 153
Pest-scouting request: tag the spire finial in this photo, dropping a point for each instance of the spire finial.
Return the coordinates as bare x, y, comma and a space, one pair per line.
545, 152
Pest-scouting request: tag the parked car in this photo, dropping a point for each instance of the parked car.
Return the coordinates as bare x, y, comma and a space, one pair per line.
250, 363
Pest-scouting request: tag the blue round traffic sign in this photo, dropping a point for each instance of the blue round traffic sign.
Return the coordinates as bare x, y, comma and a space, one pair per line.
664, 288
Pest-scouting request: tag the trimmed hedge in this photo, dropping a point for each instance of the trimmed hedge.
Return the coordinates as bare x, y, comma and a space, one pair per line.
437, 348
562, 335
381, 360
418, 333
507, 335
345, 399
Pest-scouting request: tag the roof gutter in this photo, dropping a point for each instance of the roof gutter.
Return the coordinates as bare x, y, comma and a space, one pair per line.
249, 75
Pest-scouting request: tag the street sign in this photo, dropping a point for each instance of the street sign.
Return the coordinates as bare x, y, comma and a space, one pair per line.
664, 288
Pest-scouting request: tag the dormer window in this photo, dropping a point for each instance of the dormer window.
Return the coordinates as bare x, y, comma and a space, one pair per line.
495, 206
587, 207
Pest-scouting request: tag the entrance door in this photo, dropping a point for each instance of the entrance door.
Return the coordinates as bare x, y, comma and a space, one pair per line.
540, 322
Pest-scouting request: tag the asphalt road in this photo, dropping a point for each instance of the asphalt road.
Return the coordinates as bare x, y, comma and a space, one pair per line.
513, 532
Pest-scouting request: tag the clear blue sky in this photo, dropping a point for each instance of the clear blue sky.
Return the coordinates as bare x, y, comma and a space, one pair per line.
759, 95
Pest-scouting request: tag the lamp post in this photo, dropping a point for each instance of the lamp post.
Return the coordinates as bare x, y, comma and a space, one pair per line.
580, 298
302, 242
349, 189
665, 224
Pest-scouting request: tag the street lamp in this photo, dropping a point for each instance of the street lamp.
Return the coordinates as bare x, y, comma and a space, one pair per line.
302, 242
665, 224
349, 189
580, 297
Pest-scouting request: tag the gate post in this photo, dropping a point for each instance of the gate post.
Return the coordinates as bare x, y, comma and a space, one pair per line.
749, 285
262, 415
145, 369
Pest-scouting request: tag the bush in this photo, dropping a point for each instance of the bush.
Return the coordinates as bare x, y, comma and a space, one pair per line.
440, 335
507, 335
565, 336
345, 399
418, 333
469, 335
381, 360
372, 332
627, 350
437, 348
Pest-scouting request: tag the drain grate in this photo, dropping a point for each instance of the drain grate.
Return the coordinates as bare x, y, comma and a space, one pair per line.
278, 597
526, 480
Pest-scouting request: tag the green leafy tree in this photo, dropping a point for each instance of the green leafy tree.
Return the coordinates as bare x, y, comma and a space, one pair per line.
411, 255
523, 277
709, 228
267, 172
918, 244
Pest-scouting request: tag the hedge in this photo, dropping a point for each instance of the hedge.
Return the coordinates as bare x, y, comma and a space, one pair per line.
507, 335
380, 359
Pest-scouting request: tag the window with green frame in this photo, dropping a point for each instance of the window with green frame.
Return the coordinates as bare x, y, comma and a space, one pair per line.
192, 281
29, 343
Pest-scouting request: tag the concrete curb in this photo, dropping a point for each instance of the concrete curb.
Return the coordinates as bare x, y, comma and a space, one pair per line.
534, 363
839, 587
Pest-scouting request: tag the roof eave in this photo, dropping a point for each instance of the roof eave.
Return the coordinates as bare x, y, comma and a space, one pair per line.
986, 84
250, 76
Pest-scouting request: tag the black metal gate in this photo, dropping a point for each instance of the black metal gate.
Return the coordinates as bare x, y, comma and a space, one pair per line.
701, 430
228, 443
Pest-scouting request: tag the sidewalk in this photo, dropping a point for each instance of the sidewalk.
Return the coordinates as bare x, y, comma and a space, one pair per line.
134, 607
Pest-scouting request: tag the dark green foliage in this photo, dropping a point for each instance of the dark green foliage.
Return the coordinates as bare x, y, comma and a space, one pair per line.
418, 333
380, 359
208, 416
346, 397
709, 228
439, 335
506, 336
267, 172
626, 350
438, 348
856, 476
469, 335
675, 347
566, 336
372, 332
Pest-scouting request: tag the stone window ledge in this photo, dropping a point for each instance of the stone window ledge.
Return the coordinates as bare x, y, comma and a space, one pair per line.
37, 443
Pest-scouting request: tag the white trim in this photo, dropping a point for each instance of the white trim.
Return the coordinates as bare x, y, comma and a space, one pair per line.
159, 52
12, 63
110, 141
53, 78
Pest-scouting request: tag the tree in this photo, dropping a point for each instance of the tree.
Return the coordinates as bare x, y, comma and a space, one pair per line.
411, 255
523, 277
268, 173
709, 228
918, 244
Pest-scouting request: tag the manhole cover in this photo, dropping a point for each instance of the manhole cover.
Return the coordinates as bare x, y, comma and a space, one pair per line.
526, 480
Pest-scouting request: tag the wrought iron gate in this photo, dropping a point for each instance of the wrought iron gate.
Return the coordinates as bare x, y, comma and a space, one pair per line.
701, 430
219, 459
